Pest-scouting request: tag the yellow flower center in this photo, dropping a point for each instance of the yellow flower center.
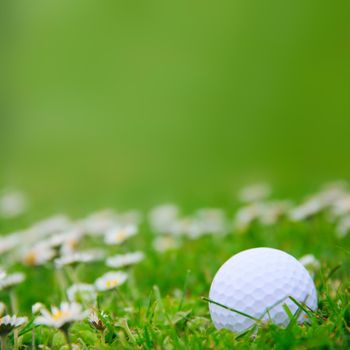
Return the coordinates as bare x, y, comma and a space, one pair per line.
112, 283
120, 236
59, 314
31, 258
73, 243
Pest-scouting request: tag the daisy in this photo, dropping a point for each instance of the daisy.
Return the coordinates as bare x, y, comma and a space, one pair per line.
38, 255
333, 192
341, 206
254, 192
99, 222
8, 323
117, 261
332, 196
61, 317
118, 235
9, 242
190, 227
310, 263
110, 280
78, 257
163, 217
271, 212
69, 237
82, 292
49, 226
132, 217
343, 226
212, 220
37, 307
306, 210
246, 216
36, 310
164, 243
11, 280
12, 204
70, 246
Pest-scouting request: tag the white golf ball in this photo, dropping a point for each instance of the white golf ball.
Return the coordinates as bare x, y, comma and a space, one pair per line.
258, 282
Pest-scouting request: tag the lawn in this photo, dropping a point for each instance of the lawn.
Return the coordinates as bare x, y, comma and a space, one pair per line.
121, 107
161, 303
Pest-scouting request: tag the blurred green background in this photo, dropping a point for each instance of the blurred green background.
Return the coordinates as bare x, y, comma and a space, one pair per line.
136, 102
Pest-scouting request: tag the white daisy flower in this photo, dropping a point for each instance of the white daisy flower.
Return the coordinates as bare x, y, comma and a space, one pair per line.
332, 196
37, 307
9, 242
255, 192
52, 225
79, 257
69, 247
71, 237
38, 255
333, 192
203, 222
271, 212
110, 280
343, 226
310, 263
190, 227
163, 217
164, 243
2, 273
8, 323
245, 216
99, 222
182, 226
341, 207
118, 235
132, 217
121, 260
12, 204
307, 209
212, 220
61, 317
82, 292
11, 280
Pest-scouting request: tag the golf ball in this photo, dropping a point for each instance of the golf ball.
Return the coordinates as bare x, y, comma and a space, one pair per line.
259, 282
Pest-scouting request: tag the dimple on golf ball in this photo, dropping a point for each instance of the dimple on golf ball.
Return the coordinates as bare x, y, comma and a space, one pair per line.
259, 282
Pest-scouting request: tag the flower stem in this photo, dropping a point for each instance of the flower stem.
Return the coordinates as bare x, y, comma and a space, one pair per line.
3, 342
66, 335
128, 331
61, 282
120, 297
14, 307
72, 274
15, 339
14, 304
33, 338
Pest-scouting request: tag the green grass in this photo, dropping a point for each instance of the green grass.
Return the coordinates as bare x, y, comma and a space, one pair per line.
162, 307
128, 105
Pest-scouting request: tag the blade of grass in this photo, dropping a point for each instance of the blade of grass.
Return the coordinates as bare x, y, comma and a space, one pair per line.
302, 306
231, 309
184, 290
288, 312
331, 273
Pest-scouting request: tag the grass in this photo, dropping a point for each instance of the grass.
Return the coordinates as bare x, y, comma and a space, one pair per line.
163, 305
125, 106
